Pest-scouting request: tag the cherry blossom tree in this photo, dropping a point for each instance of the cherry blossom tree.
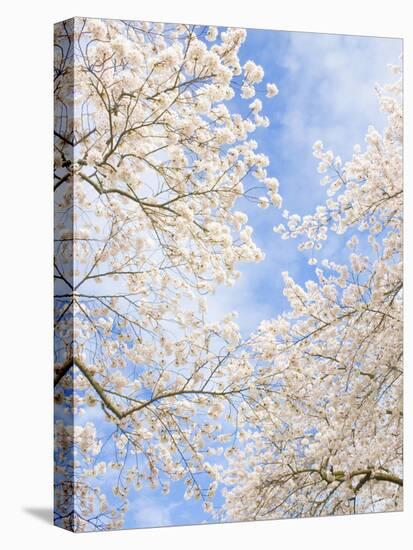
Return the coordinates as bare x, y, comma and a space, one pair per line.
152, 166
325, 433
149, 165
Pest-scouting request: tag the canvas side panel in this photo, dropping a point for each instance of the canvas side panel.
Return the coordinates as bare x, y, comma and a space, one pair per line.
64, 136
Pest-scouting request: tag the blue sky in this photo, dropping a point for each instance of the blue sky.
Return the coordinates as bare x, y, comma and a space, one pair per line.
326, 91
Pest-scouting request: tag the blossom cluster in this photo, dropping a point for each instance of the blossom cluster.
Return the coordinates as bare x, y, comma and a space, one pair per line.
150, 163
330, 429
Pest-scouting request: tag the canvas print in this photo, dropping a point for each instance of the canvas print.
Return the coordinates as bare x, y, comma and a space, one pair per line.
228, 274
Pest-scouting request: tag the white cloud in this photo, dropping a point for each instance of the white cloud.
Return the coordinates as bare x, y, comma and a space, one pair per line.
153, 514
329, 94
